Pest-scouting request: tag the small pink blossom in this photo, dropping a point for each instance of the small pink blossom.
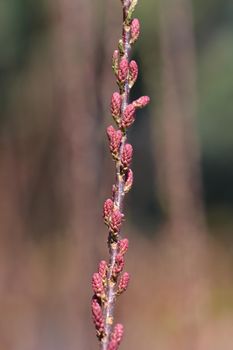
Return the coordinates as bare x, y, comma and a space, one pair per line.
119, 264
133, 72
135, 30
141, 102
97, 316
123, 245
118, 333
128, 116
116, 105
107, 209
127, 155
113, 345
97, 285
115, 221
103, 268
123, 70
115, 137
124, 282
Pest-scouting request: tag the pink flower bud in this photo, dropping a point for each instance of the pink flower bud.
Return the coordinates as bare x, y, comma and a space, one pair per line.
97, 316
118, 333
123, 70
113, 345
127, 155
116, 105
123, 245
119, 264
133, 73
107, 209
129, 181
141, 102
103, 268
135, 30
116, 337
123, 284
97, 285
115, 221
128, 116
115, 137
110, 131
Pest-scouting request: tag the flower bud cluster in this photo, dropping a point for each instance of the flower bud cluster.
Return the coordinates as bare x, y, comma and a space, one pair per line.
133, 73
103, 269
114, 137
99, 298
123, 245
123, 70
119, 265
112, 216
98, 286
123, 284
117, 336
128, 116
116, 106
135, 30
127, 155
97, 316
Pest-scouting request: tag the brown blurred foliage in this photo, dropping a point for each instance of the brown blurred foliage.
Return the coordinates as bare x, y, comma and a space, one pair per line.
56, 173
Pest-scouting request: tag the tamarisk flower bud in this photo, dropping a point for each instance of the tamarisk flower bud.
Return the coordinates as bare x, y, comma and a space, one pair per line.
115, 137
113, 345
129, 181
115, 221
123, 284
119, 264
123, 245
116, 106
128, 116
97, 285
141, 102
133, 72
123, 70
103, 268
118, 332
107, 210
97, 316
135, 30
127, 155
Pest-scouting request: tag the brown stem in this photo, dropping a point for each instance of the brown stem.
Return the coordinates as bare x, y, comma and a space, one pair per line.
108, 310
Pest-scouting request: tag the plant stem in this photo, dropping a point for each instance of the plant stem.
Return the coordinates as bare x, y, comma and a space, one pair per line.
109, 282
108, 311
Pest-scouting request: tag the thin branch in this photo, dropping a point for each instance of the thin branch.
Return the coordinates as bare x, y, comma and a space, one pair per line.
109, 282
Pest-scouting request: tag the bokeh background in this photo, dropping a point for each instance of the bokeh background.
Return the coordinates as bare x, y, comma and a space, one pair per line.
55, 173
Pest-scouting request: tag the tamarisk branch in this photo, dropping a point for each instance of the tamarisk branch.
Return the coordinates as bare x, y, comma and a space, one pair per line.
110, 282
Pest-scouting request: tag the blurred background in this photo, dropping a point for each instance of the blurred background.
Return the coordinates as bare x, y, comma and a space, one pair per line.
55, 173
